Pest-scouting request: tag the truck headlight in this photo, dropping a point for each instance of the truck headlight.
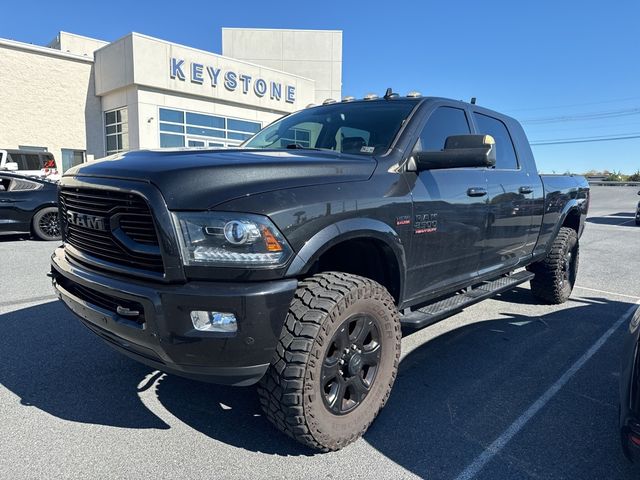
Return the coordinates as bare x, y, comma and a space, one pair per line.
230, 239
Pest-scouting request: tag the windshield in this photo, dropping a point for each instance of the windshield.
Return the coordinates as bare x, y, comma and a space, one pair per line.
363, 128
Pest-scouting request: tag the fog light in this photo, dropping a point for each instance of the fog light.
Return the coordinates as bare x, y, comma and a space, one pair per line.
213, 321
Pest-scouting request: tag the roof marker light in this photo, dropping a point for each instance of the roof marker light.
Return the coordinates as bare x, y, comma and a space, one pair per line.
370, 96
414, 94
348, 99
328, 101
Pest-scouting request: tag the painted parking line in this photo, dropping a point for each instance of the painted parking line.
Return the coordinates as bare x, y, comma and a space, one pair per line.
498, 445
24, 301
605, 292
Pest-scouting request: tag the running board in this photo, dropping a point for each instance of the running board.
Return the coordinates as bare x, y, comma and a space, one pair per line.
442, 309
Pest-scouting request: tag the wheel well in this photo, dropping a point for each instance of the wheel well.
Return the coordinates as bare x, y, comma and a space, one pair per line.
366, 257
572, 220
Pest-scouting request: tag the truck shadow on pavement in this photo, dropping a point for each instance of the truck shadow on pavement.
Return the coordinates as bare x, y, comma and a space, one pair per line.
454, 394
623, 219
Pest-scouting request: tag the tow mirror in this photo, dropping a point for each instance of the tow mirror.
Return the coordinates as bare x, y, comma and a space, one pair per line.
460, 151
11, 166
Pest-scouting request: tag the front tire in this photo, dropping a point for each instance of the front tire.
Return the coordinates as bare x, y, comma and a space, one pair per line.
556, 274
45, 224
335, 362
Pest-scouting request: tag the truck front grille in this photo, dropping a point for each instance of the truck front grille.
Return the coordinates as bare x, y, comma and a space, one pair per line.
91, 217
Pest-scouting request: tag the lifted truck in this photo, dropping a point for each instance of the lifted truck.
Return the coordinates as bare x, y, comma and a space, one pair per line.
295, 261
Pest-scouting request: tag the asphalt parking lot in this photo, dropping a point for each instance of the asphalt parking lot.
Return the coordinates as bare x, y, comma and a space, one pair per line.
506, 389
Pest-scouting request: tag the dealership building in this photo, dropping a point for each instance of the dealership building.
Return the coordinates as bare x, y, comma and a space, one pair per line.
82, 98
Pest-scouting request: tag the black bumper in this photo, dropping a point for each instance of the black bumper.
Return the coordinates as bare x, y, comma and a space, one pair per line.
630, 391
163, 336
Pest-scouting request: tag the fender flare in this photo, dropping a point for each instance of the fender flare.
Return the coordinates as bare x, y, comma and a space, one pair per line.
571, 206
342, 231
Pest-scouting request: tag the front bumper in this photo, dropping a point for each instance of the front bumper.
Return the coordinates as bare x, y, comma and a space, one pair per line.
163, 336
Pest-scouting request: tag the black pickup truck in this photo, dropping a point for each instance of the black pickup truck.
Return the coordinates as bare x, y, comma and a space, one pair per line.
298, 260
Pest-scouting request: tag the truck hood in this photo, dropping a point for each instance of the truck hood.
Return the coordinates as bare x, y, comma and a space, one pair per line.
199, 180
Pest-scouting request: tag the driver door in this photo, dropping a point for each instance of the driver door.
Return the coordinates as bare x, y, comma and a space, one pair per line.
449, 213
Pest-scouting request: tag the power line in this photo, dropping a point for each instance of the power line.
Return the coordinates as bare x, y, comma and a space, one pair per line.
583, 116
564, 141
552, 107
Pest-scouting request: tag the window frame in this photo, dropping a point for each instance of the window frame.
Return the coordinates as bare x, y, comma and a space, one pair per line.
476, 129
428, 116
121, 133
226, 139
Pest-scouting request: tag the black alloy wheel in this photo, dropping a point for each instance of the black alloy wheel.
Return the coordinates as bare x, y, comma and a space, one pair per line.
351, 364
46, 224
335, 362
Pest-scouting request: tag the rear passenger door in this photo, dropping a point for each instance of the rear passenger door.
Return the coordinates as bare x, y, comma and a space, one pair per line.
509, 196
449, 212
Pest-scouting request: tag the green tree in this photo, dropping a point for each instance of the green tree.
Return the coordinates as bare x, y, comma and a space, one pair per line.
635, 177
616, 177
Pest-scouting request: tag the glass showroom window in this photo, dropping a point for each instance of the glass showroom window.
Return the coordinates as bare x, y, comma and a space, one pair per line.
117, 130
179, 128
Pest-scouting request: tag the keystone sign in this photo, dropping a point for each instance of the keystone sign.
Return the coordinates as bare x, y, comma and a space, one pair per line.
232, 81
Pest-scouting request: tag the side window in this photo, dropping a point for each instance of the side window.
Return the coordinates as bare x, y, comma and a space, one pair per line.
442, 123
505, 152
33, 161
17, 158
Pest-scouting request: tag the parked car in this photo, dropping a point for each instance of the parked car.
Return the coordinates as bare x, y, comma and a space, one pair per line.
295, 261
29, 162
638, 212
630, 391
28, 205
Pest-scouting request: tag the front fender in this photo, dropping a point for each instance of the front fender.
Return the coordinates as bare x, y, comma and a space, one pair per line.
345, 230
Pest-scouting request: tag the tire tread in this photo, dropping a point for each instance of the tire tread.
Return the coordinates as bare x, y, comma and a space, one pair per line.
281, 389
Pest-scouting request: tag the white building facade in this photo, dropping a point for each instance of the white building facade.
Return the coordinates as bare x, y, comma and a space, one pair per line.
82, 98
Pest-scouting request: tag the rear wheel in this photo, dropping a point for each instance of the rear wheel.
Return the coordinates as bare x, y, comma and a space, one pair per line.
556, 274
45, 224
335, 363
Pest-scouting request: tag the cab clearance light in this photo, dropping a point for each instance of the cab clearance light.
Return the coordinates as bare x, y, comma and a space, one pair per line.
635, 440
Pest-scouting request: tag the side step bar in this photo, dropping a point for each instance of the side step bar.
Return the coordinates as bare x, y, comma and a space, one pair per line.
442, 309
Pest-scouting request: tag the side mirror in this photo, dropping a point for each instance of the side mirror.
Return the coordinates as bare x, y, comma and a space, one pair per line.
460, 151
11, 166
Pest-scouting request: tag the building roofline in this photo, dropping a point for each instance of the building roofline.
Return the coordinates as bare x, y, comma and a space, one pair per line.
52, 52
198, 50
283, 29
83, 36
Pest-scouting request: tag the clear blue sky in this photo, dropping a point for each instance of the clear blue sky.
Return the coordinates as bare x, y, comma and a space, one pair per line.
540, 61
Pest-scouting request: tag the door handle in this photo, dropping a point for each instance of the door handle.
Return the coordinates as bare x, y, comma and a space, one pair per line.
476, 192
525, 189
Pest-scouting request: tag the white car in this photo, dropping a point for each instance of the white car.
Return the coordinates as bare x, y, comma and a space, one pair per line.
29, 162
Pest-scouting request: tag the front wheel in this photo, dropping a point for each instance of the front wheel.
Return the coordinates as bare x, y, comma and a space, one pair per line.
335, 363
46, 225
556, 274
